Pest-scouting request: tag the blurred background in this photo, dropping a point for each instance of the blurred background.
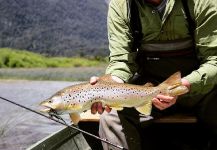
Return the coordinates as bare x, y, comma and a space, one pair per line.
45, 45
51, 34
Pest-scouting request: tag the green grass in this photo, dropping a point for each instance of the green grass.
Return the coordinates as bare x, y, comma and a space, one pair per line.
11, 58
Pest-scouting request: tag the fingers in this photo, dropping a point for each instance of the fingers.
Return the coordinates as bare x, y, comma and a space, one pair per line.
162, 102
93, 80
117, 79
166, 98
94, 108
159, 104
100, 108
186, 83
107, 108
97, 107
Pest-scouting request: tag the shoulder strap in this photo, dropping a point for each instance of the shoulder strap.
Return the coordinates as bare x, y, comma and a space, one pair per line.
135, 24
135, 21
191, 22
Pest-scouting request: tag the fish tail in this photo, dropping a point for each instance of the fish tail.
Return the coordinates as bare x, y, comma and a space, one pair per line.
173, 86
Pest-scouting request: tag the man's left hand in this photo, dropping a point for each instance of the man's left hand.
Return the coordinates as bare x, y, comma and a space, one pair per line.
162, 102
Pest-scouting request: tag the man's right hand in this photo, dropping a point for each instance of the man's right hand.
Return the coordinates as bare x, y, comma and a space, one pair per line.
97, 106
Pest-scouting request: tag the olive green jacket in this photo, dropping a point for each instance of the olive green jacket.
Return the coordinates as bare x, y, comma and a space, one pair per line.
171, 26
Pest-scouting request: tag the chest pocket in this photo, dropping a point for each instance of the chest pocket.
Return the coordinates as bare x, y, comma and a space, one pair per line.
180, 26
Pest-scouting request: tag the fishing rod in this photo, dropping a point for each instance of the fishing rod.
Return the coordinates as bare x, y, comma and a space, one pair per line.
64, 123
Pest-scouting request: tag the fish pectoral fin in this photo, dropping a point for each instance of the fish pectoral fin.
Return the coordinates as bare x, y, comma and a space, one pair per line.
148, 84
145, 109
75, 118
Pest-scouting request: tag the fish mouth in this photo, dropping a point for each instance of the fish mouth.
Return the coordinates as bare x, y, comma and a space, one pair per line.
46, 110
51, 112
46, 107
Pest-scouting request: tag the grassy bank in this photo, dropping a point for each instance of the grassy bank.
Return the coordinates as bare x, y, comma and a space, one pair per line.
20, 64
11, 58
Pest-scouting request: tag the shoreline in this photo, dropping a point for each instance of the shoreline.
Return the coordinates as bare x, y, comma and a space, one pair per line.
51, 74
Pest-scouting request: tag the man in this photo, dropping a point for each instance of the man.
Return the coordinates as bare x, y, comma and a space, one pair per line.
167, 45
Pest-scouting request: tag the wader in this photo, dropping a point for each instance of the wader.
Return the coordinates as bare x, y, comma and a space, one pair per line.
157, 62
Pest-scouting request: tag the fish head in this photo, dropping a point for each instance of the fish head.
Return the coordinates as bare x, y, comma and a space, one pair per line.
53, 104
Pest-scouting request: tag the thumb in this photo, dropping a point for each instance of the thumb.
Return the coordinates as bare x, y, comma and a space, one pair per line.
93, 80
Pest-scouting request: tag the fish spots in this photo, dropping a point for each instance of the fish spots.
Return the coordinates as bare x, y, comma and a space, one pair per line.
107, 92
84, 95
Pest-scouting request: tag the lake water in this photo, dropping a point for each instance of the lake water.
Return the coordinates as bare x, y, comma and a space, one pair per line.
20, 128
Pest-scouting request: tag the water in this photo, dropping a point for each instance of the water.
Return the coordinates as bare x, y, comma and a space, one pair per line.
20, 128
63, 74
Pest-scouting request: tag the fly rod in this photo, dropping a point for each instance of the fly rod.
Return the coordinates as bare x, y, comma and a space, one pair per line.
64, 123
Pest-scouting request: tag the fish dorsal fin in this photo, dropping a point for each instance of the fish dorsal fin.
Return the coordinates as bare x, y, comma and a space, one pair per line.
106, 78
145, 109
75, 118
148, 84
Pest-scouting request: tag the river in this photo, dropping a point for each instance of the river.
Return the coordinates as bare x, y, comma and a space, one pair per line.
20, 128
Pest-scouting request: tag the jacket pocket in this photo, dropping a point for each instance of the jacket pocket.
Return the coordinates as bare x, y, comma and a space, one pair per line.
180, 26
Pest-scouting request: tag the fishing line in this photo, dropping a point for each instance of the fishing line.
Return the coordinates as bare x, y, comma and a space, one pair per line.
64, 123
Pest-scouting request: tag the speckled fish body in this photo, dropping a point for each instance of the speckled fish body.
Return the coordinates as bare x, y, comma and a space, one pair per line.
78, 98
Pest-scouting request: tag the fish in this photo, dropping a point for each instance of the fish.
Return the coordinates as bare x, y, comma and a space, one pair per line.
78, 98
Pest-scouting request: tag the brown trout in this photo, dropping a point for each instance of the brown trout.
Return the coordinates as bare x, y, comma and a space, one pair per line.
79, 98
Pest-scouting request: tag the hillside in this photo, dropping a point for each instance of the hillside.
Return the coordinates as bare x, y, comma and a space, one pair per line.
55, 27
12, 58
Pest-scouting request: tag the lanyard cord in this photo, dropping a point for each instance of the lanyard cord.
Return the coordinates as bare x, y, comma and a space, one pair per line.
63, 123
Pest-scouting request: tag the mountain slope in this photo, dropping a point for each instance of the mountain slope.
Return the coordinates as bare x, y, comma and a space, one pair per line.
54, 27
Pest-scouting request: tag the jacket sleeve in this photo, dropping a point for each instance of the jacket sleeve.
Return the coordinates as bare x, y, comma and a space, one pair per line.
205, 78
122, 59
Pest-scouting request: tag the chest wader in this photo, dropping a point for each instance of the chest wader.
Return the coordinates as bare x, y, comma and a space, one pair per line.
159, 60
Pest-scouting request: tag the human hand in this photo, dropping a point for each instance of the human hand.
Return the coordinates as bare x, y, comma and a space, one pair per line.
97, 106
162, 102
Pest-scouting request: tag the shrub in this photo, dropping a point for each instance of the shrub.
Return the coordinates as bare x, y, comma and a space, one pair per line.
11, 58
